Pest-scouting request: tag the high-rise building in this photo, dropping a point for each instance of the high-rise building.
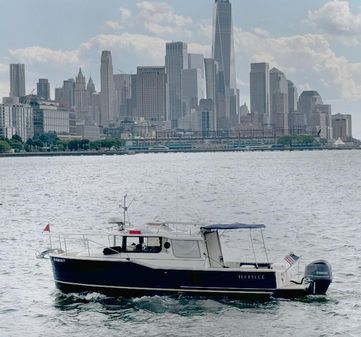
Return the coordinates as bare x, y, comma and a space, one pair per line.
65, 95
279, 101
43, 88
193, 89
292, 97
176, 60
81, 96
6, 124
211, 71
123, 90
307, 103
151, 93
342, 127
260, 92
317, 116
223, 54
107, 95
17, 80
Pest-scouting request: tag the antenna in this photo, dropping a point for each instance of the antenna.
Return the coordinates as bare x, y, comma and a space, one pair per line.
125, 208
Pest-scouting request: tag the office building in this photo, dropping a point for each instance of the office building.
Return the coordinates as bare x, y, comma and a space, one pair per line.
43, 88
151, 100
123, 92
279, 102
17, 80
6, 125
342, 127
176, 60
193, 89
107, 94
260, 92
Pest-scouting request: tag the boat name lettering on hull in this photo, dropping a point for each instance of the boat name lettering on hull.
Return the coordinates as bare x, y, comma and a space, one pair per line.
58, 260
251, 277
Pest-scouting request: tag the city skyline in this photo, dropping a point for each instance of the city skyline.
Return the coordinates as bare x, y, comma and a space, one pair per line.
305, 51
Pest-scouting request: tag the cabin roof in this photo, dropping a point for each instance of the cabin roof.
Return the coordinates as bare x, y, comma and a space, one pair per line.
233, 226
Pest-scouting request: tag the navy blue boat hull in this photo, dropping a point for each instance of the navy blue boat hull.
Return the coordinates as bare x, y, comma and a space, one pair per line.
129, 279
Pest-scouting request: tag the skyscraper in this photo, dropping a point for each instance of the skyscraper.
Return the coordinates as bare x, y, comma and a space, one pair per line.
279, 101
176, 60
260, 92
107, 95
81, 97
151, 93
123, 89
43, 88
17, 80
223, 54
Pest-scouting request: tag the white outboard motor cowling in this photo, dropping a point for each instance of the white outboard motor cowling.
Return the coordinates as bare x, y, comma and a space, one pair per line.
319, 274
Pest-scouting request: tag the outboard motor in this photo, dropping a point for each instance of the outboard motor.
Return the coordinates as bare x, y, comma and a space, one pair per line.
319, 274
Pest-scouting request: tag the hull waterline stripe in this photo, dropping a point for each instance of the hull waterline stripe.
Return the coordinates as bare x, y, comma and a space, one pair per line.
260, 292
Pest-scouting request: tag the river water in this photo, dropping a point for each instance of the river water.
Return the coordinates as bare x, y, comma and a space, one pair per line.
310, 201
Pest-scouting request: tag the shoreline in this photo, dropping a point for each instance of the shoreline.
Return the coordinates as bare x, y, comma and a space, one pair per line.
133, 152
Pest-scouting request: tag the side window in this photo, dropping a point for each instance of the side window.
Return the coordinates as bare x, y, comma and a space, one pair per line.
132, 244
140, 244
186, 248
152, 245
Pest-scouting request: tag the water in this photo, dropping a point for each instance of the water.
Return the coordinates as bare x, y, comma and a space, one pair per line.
309, 200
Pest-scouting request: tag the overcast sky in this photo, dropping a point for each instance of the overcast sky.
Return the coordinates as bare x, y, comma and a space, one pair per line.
316, 43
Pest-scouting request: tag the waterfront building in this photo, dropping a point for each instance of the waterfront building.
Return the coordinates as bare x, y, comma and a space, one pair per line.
6, 125
20, 121
50, 117
43, 88
279, 102
223, 54
176, 60
342, 127
260, 92
107, 95
151, 100
17, 80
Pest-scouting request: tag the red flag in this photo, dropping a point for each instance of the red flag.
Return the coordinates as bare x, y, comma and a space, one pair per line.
47, 228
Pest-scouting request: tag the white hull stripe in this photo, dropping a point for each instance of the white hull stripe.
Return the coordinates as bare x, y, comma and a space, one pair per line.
183, 289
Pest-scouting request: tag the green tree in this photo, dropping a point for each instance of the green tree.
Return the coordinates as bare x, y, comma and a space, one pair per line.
15, 144
4, 146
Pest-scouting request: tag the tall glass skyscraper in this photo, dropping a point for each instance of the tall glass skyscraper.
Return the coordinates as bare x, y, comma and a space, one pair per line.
223, 54
176, 60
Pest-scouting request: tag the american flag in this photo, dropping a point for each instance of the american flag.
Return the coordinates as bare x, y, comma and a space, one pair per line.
291, 258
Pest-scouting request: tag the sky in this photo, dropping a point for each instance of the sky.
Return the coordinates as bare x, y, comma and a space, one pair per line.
316, 43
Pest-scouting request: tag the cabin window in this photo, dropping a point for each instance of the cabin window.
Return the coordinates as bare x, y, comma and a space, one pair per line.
141, 244
186, 248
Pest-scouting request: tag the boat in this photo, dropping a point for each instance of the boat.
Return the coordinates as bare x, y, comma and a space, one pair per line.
169, 258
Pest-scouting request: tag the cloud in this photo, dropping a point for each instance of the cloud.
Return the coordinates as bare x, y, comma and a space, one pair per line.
336, 19
124, 15
4, 68
113, 24
159, 18
38, 54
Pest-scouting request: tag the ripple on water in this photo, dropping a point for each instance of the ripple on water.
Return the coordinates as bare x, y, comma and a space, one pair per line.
300, 196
